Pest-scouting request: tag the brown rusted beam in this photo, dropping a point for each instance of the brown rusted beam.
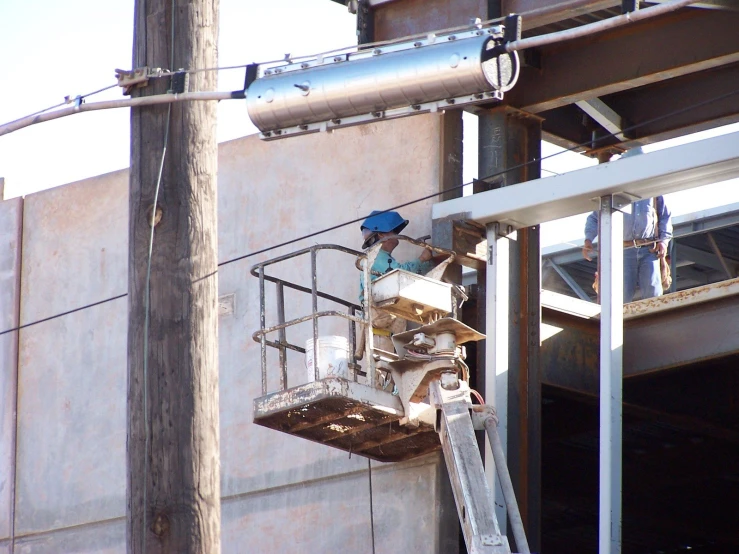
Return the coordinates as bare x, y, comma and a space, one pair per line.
544, 12
690, 41
466, 238
685, 102
660, 338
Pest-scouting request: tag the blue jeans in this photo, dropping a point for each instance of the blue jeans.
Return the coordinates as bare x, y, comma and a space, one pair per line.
641, 267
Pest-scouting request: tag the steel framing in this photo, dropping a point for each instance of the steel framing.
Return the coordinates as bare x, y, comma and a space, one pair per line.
613, 185
538, 201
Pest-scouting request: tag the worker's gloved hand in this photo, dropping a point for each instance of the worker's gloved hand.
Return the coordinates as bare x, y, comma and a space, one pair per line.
661, 250
425, 255
587, 250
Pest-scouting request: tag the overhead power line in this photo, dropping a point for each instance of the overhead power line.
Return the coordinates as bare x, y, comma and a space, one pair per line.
517, 45
168, 98
410, 202
597, 27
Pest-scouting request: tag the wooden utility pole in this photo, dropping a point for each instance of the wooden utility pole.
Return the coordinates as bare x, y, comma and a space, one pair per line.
173, 467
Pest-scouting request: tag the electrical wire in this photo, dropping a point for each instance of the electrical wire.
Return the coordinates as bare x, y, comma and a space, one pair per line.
62, 314
510, 47
372, 509
169, 73
68, 100
477, 395
406, 38
22, 122
630, 17
205, 69
98, 91
415, 201
38, 112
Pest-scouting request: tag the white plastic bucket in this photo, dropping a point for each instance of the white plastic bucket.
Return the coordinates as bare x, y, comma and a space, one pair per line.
332, 358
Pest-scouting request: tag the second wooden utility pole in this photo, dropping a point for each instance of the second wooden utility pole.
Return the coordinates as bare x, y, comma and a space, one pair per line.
173, 467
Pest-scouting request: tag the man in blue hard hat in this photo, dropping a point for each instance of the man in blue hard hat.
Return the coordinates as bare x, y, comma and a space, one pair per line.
647, 233
378, 226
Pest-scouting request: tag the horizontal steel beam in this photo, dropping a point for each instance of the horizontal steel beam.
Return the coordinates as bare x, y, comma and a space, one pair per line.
683, 105
620, 60
708, 4
541, 200
674, 330
604, 115
708, 259
544, 12
683, 226
676, 338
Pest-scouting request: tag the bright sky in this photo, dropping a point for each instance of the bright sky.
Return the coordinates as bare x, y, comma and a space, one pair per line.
54, 49
71, 48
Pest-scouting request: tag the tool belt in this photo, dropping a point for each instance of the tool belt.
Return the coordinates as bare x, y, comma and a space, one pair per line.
638, 243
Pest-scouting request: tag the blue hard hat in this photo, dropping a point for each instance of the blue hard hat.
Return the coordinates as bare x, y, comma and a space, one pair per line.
382, 222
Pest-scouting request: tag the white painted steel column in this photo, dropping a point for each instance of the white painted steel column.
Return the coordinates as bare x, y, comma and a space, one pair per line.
496, 352
611, 374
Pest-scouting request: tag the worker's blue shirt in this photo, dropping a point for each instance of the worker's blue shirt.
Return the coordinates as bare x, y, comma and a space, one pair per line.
384, 263
641, 223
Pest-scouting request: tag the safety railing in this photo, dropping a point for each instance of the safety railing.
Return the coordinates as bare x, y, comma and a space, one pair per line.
364, 262
282, 344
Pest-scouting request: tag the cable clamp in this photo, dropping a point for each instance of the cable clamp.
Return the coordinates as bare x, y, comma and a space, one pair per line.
136, 78
511, 33
76, 100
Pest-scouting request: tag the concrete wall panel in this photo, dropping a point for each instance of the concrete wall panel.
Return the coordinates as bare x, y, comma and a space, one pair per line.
271, 192
333, 515
330, 515
72, 420
108, 537
10, 230
414, 510
72, 376
75, 245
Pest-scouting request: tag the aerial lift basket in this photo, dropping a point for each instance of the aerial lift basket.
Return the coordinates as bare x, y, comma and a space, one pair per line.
429, 405
354, 413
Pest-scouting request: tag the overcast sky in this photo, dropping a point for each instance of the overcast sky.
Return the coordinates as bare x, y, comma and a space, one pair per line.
53, 49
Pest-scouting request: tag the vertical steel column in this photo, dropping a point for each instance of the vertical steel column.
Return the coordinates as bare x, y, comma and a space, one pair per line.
611, 374
365, 22
496, 348
508, 139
